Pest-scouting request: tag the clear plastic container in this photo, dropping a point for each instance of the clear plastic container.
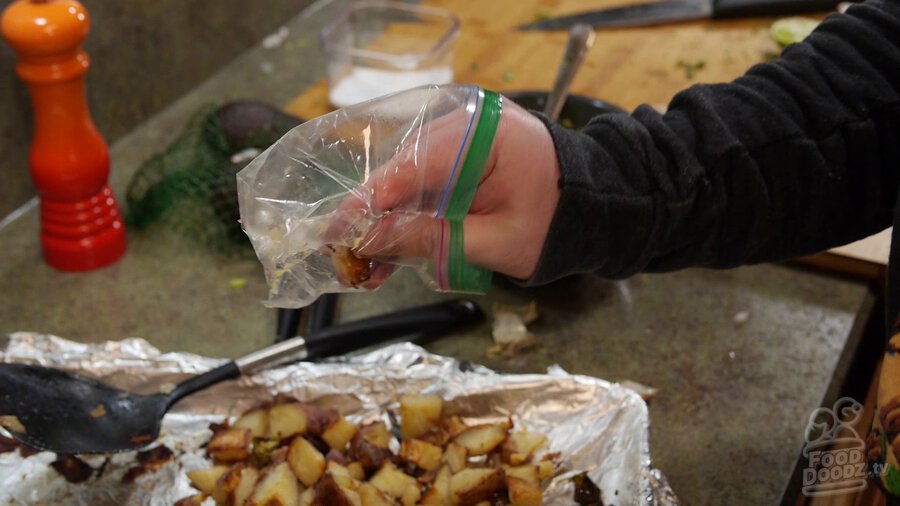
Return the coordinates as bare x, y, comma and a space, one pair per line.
379, 47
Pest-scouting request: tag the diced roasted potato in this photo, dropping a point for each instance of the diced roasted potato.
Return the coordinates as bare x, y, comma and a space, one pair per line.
227, 483
307, 496
356, 471
471, 486
205, 479
376, 433
452, 425
339, 433
306, 462
481, 439
419, 413
520, 446
330, 493
424, 455
231, 445
314, 456
455, 456
411, 495
277, 487
546, 469
371, 496
257, 420
191, 500
439, 490
528, 473
523, 493
369, 446
317, 419
340, 474
286, 420
392, 481
249, 477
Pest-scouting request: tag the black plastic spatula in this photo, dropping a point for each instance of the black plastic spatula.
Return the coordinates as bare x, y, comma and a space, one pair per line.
71, 414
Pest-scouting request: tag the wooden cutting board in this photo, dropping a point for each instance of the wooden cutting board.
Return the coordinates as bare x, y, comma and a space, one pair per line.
626, 67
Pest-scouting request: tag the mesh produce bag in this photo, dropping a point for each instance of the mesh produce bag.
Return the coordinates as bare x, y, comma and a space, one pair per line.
190, 187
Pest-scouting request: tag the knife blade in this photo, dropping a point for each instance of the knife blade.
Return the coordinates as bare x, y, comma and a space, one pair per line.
672, 11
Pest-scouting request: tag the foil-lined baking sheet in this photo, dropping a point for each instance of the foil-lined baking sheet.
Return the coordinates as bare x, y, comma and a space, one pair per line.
596, 426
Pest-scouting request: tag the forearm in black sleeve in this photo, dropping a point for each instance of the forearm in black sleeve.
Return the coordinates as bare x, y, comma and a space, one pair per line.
798, 155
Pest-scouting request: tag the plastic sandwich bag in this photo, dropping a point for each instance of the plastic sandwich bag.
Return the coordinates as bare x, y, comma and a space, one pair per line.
327, 205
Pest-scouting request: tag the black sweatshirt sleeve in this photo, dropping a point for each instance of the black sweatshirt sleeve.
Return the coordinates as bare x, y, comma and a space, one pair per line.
799, 155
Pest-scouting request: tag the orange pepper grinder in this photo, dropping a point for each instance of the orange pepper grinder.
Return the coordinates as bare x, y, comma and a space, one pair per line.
81, 227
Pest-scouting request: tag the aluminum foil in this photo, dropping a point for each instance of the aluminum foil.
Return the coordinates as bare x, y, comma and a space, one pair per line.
596, 426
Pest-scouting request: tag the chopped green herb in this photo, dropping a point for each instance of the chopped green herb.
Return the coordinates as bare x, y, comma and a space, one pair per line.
541, 15
690, 69
237, 283
787, 31
509, 75
474, 66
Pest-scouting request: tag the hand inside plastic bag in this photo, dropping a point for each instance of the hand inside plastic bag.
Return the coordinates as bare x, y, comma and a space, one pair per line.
333, 207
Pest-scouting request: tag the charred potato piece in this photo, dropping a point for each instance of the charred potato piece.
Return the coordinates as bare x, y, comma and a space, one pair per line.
528, 473
481, 439
419, 414
257, 420
227, 483
286, 420
205, 479
191, 500
249, 478
520, 446
455, 456
351, 270
340, 474
356, 471
371, 496
369, 446
424, 455
546, 469
231, 445
330, 493
471, 486
392, 481
307, 497
339, 433
376, 433
411, 496
438, 491
306, 462
277, 487
522, 493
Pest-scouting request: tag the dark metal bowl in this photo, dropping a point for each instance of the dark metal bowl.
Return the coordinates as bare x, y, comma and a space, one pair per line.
576, 112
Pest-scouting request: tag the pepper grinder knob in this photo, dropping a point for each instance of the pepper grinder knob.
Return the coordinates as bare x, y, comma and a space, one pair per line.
81, 227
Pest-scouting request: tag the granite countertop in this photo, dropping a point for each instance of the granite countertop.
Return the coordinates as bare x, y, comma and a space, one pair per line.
735, 395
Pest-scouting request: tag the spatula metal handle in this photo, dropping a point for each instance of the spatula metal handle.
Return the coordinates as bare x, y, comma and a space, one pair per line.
432, 319
581, 38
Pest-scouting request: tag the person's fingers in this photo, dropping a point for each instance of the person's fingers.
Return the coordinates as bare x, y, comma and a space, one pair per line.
379, 272
403, 235
423, 170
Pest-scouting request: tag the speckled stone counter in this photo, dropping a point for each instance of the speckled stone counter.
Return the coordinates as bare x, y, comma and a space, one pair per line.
727, 425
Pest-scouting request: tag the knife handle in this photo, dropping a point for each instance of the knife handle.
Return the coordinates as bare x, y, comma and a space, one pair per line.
730, 9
